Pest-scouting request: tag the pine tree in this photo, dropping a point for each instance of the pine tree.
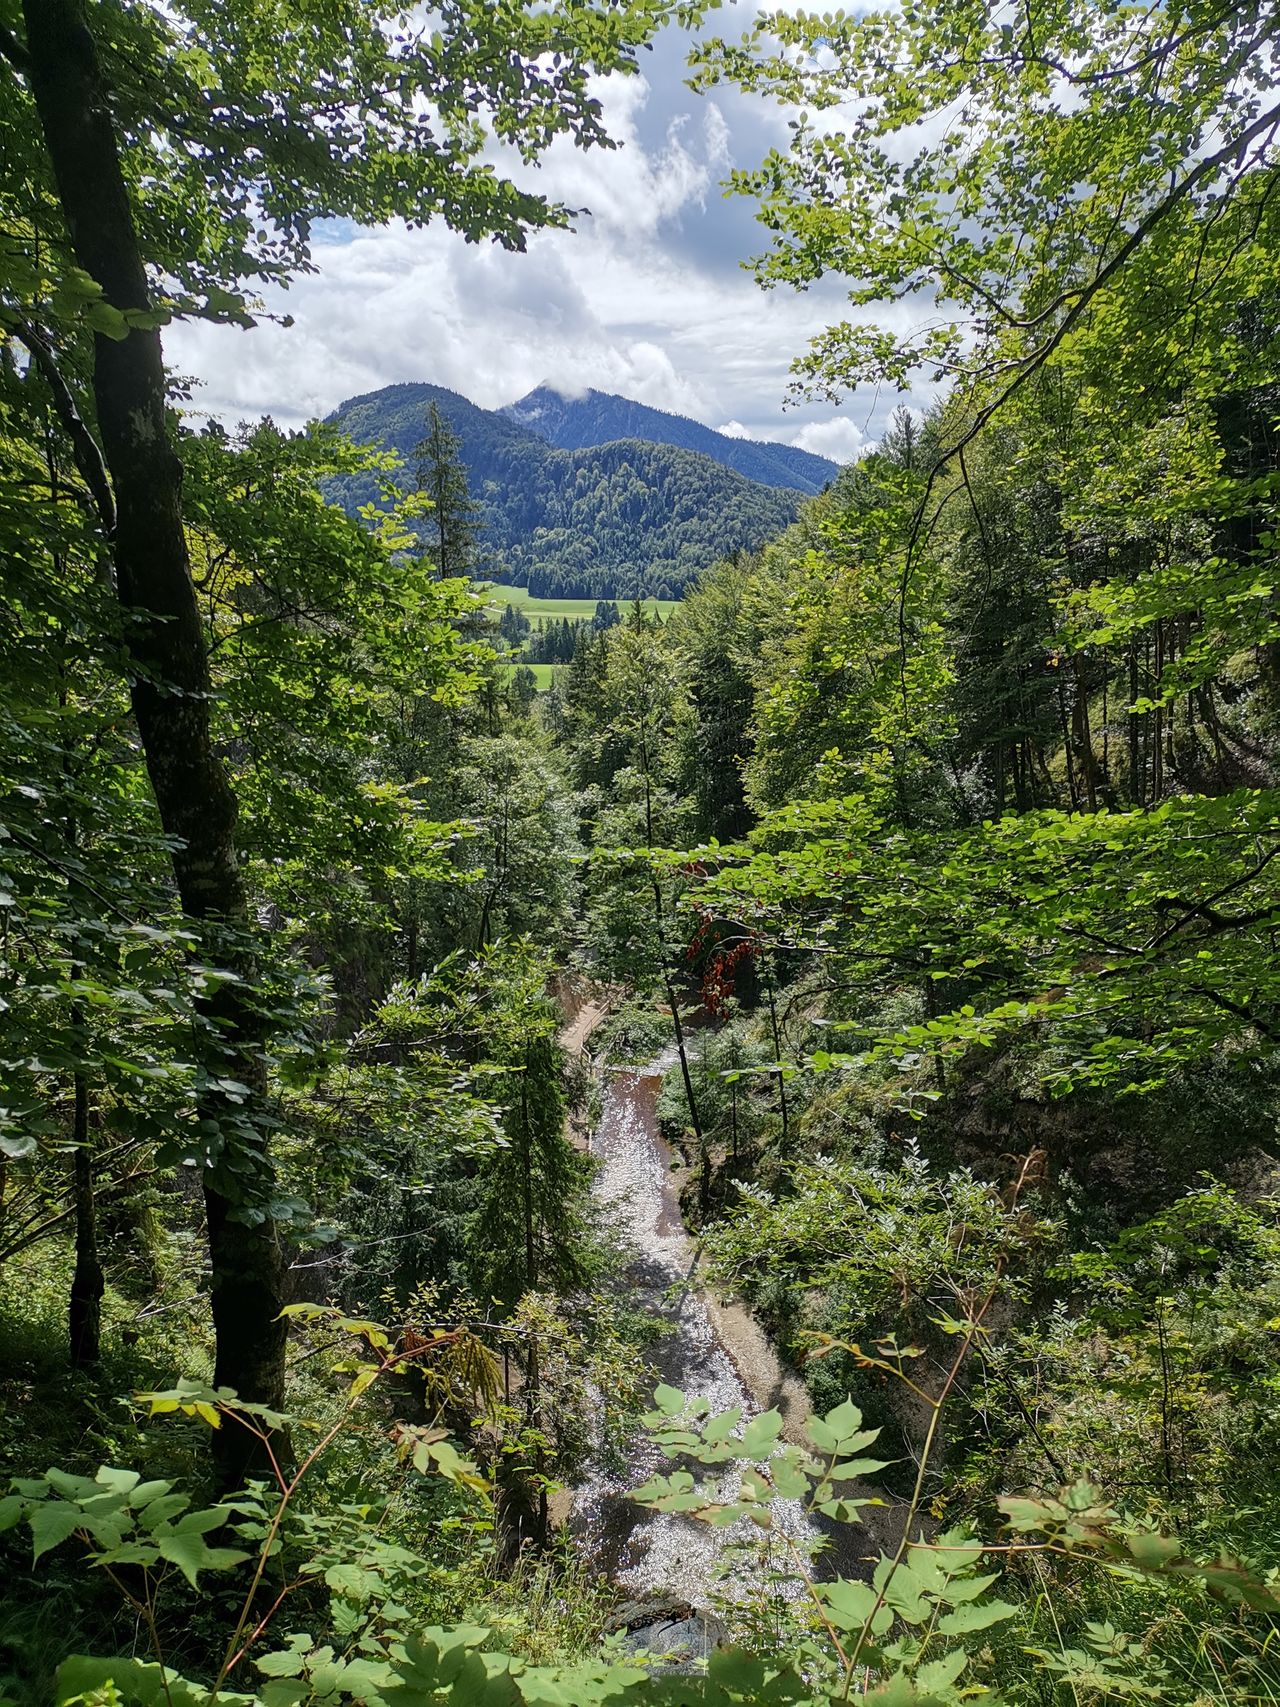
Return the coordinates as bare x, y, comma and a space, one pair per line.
439, 474
530, 1229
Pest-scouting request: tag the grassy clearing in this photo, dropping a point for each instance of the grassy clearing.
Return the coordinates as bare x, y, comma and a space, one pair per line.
533, 608
543, 674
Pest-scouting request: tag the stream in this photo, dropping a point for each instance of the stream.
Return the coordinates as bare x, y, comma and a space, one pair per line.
656, 1555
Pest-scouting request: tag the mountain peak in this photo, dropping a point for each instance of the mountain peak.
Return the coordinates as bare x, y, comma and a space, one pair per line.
589, 418
633, 514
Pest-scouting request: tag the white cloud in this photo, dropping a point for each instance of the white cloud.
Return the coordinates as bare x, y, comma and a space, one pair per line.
647, 298
733, 430
568, 393
840, 439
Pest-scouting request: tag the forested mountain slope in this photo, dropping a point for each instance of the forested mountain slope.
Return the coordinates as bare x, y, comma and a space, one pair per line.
597, 417
611, 520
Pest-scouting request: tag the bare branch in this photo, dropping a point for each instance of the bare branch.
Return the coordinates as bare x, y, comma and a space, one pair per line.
12, 50
84, 447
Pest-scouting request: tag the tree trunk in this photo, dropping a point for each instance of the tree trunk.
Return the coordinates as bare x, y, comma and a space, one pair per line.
526, 1159
673, 1007
87, 1282
411, 933
659, 920
777, 1060
170, 686
1082, 740
1157, 731
1137, 786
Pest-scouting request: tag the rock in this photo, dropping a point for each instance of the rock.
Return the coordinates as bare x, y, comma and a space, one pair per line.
660, 1624
647, 1609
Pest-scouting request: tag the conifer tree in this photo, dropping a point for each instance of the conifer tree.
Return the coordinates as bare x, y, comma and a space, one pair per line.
439, 475
530, 1223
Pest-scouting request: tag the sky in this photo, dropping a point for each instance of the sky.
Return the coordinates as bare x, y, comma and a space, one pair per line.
647, 297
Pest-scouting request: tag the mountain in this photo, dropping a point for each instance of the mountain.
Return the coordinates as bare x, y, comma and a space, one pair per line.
609, 520
597, 418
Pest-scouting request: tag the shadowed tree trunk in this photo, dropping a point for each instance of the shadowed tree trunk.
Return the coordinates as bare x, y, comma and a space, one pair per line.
673, 1005
87, 1283
770, 990
170, 684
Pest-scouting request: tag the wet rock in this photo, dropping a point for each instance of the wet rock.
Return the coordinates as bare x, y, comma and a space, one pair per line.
661, 1624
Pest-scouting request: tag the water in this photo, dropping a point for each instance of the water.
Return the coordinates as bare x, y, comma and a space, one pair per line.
656, 1553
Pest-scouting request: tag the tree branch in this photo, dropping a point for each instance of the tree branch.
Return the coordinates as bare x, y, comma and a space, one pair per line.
1237, 1009
12, 50
84, 447
1083, 295
1206, 909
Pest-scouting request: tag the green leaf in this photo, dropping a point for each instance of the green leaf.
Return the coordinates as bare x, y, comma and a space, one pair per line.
285, 1662
845, 1420
940, 1674
51, 1524
145, 1494
128, 1553
160, 1509
718, 1429
191, 1554
351, 1580
760, 1434
1152, 1552
118, 1481
73, 1487
280, 1692
850, 1604
142, 1683
201, 1522
903, 1591
979, 1616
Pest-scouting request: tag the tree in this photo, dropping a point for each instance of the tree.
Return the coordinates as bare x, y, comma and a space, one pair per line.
1089, 154
713, 629
530, 1231
88, 937
636, 716
439, 475
1086, 194
103, 103
524, 845
514, 626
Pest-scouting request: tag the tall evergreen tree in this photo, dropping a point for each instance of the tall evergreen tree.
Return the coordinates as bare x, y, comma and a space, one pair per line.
530, 1223
438, 474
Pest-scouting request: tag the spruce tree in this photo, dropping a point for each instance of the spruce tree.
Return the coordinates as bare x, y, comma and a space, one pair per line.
530, 1224
439, 474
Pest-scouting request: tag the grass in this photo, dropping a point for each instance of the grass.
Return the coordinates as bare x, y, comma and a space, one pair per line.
540, 610
543, 674
522, 599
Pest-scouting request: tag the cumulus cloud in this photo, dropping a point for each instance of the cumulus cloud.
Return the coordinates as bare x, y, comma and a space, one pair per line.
647, 297
841, 439
733, 430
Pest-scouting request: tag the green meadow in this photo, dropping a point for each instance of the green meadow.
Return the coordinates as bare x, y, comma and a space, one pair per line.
534, 608
543, 674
